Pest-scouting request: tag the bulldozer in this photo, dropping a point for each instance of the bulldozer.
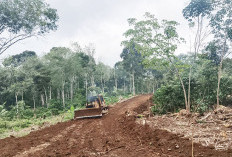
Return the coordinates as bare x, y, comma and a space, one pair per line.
94, 108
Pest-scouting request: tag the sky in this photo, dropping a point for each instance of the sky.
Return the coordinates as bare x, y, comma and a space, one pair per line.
102, 22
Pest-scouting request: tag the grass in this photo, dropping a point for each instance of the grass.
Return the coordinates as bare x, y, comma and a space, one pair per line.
22, 127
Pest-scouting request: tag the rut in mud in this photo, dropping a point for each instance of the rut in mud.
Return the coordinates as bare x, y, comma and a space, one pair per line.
115, 134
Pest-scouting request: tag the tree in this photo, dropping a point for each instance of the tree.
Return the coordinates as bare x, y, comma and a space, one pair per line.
103, 75
17, 60
221, 21
132, 62
156, 42
22, 19
122, 75
57, 58
195, 13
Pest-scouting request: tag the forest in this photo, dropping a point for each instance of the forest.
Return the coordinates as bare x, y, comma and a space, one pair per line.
64, 77
34, 87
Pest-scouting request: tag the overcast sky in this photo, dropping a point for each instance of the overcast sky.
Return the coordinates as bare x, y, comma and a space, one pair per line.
103, 23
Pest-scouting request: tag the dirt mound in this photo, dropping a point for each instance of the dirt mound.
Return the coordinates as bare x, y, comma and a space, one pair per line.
115, 134
167, 143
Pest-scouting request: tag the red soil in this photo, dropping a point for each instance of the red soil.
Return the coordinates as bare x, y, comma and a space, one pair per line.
115, 134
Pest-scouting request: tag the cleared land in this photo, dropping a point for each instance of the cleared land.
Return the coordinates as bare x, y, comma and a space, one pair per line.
115, 134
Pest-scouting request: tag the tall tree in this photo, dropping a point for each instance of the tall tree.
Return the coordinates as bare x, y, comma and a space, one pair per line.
156, 42
195, 13
221, 22
58, 62
132, 62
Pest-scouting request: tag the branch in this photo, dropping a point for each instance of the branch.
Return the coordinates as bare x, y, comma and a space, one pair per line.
11, 42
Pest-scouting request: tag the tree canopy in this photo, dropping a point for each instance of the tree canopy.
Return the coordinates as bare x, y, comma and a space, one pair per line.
22, 19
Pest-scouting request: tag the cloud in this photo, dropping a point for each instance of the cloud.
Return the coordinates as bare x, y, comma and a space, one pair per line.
101, 22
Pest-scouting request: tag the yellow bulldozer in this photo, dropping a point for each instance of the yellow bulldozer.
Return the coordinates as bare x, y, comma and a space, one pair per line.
95, 107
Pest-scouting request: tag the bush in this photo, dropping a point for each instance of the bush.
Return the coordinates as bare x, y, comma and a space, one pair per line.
226, 91
43, 112
168, 98
27, 113
79, 100
55, 107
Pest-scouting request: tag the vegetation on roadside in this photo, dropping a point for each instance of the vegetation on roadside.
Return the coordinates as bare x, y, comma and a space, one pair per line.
29, 120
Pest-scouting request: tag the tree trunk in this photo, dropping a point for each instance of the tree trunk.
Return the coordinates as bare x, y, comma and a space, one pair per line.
189, 88
50, 93
197, 45
34, 105
17, 105
63, 98
115, 80
71, 88
58, 93
86, 88
102, 84
220, 71
46, 96
219, 80
78, 84
92, 80
133, 83
182, 84
34, 102
42, 99
71, 91
124, 87
185, 96
153, 88
22, 96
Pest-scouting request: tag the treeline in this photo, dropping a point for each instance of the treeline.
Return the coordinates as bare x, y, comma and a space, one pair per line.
200, 79
36, 86
204, 81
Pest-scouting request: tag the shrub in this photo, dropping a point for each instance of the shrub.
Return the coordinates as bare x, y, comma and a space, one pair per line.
168, 98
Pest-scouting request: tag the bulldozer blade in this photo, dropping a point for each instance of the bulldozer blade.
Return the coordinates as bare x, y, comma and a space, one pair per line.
88, 113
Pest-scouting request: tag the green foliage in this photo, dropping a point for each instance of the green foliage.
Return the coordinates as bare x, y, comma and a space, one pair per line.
55, 106
156, 41
197, 8
226, 91
26, 15
17, 60
202, 108
79, 99
3, 111
111, 100
70, 113
168, 98
23, 19
45, 112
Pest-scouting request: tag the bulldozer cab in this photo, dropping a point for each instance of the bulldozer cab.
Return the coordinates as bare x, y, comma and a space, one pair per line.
95, 102
94, 108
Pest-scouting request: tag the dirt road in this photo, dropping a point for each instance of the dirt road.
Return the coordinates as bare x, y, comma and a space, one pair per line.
115, 135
